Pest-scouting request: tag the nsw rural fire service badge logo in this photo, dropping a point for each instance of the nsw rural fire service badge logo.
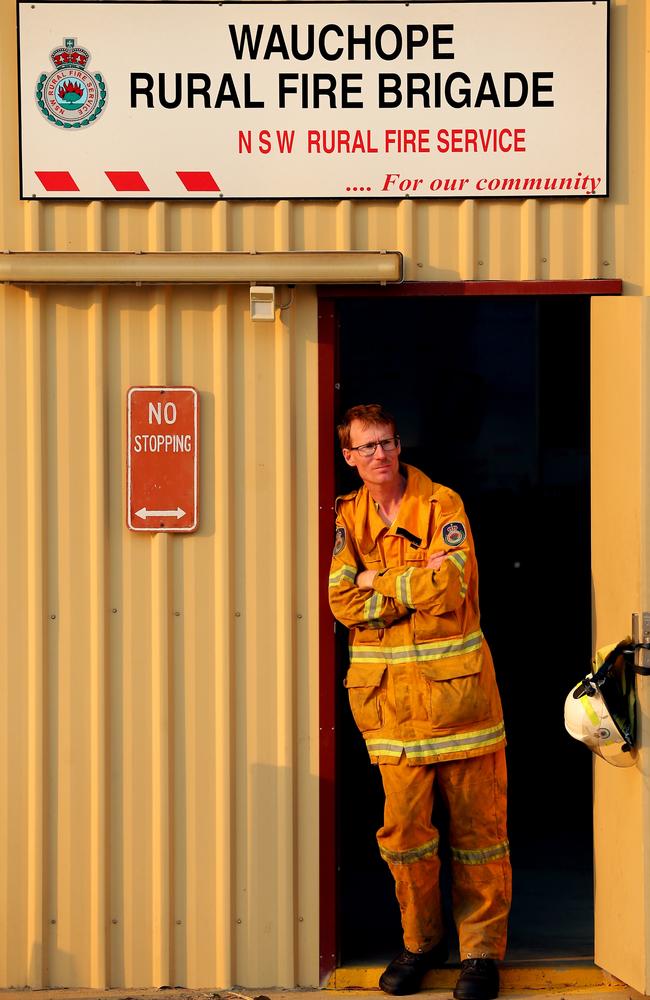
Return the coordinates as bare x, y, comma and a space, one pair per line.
70, 97
454, 533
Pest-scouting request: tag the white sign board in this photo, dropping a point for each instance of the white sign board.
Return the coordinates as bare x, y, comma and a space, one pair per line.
313, 100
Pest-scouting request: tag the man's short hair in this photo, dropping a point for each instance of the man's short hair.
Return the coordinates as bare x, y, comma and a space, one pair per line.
372, 415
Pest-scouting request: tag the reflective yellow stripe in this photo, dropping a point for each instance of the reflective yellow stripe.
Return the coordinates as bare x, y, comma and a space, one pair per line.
589, 710
437, 746
459, 559
482, 855
386, 748
403, 587
344, 573
413, 854
400, 589
436, 649
407, 581
372, 606
459, 747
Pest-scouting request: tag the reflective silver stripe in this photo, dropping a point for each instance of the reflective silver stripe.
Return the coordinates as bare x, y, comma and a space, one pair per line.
459, 559
344, 573
385, 748
483, 855
372, 606
437, 745
459, 741
403, 587
413, 854
437, 649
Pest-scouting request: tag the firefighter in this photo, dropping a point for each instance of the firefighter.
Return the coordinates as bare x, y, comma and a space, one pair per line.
423, 693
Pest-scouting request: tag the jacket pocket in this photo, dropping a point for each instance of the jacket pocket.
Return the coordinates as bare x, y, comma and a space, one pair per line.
367, 636
367, 695
456, 694
427, 626
416, 557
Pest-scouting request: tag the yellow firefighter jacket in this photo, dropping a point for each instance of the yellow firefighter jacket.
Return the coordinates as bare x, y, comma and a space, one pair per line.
421, 679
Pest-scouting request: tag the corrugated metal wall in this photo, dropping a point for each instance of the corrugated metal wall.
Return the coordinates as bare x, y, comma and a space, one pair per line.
159, 786
158, 695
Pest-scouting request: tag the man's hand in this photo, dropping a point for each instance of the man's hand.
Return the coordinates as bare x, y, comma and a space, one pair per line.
436, 560
365, 578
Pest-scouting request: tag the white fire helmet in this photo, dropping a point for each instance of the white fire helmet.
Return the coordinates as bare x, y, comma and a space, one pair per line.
599, 711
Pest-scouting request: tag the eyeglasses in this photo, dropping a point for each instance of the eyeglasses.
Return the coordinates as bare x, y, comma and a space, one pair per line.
368, 450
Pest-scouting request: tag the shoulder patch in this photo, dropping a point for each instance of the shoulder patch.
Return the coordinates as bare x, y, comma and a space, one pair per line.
454, 533
339, 541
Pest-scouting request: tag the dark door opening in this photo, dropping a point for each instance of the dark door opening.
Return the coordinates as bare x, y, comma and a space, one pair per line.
492, 399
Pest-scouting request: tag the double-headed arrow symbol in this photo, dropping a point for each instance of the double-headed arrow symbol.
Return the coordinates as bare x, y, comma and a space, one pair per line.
144, 513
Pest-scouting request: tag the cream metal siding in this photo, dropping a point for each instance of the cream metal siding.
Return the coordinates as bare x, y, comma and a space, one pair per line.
620, 440
159, 695
159, 791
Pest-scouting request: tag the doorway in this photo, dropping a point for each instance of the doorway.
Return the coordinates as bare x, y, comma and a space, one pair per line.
492, 399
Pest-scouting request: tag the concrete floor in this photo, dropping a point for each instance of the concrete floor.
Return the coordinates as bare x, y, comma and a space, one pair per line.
608, 991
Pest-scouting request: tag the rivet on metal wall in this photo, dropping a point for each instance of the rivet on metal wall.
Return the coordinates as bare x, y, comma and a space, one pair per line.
544, 260
238, 920
53, 618
177, 613
480, 263
114, 610
179, 922
298, 616
237, 614
52, 921
605, 263
114, 920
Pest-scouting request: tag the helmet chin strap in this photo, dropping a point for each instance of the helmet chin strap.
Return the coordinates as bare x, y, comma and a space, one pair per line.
628, 653
589, 685
586, 687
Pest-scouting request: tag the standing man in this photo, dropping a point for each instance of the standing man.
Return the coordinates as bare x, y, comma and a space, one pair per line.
423, 693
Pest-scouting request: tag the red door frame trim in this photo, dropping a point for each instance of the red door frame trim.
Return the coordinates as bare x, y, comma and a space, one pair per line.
429, 289
327, 345
327, 690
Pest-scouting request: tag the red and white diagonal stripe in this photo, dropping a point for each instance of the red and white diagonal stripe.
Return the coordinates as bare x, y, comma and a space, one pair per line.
132, 181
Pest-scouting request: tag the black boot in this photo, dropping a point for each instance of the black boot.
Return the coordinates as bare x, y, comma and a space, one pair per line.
478, 980
405, 973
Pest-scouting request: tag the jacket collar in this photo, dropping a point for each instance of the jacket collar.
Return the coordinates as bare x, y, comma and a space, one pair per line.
412, 516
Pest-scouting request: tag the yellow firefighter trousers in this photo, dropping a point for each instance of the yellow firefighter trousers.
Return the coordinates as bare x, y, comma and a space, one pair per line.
474, 794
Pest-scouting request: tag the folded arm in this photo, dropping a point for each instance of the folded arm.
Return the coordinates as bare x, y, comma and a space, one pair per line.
354, 602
